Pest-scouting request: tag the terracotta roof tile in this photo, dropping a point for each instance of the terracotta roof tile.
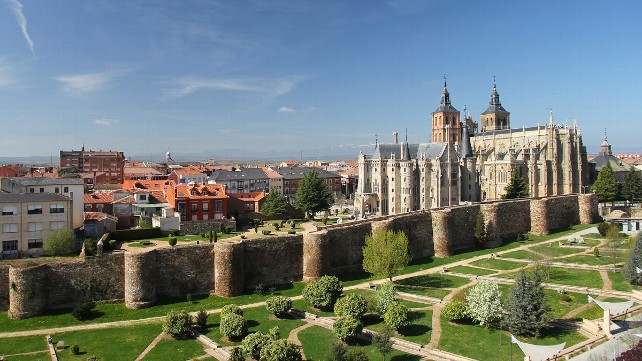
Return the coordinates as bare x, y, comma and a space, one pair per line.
99, 198
99, 216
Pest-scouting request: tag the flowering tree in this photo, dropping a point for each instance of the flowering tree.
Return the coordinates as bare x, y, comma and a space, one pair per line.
485, 303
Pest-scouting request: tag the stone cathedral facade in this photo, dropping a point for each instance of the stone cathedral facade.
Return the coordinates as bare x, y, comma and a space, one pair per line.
464, 164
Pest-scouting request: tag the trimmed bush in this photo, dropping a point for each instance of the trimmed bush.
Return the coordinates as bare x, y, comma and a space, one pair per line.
324, 292
75, 349
177, 324
231, 309
602, 228
236, 354
347, 327
397, 316
338, 351
233, 326
253, 344
386, 294
356, 354
172, 241
455, 310
351, 304
281, 350
278, 305
201, 319
83, 311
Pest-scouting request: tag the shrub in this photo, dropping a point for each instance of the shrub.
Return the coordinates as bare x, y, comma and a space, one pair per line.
291, 231
61, 242
231, 309
274, 333
602, 228
172, 241
253, 344
266, 232
93, 358
352, 304
90, 246
386, 294
397, 316
276, 224
324, 292
324, 221
113, 244
455, 310
236, 354
75, 349
256, 229
201, 319
83, 311
596, 252
233, 326
278, 305
174, 232
338, 351
177, 324
281, 350
356, 354
293, 225
227, 229
347, 327
243, 236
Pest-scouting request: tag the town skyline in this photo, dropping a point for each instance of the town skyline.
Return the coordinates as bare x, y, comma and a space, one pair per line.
285, 77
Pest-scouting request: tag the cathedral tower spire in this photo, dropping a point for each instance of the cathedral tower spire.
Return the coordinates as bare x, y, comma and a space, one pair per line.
446, 116
495, 117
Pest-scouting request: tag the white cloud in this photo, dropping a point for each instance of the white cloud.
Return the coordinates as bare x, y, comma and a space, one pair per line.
16, 7
268, 87
286, 110
105, 122
7, 74
87, 83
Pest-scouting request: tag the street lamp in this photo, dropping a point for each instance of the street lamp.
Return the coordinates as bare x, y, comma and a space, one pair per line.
584, 189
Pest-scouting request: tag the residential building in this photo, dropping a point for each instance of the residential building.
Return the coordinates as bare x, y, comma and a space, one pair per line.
188, 175
199, 202
70, 187
98, 223
293, 175
112, 163
240, 205
275, 180
27, 219
242, 180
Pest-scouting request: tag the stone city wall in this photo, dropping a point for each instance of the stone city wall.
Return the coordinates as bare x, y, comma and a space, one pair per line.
231, 267
198, 227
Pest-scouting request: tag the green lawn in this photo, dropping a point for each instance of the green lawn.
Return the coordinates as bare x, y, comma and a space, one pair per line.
43, 356
498, 264
434, 281
123, 343
174, 350
619, 282
371, 298
554, 250
118, 312
419, 330
523, 254
590, 260
141, 245
258, 319
471, 270
14, 345
483, 344
316, 343
568, 276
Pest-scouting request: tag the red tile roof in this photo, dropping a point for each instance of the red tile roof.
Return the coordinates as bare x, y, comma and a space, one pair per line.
248, 196
201, 191
99, 198
99, 216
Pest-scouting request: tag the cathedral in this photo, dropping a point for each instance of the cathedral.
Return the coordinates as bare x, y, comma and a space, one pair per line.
465, 164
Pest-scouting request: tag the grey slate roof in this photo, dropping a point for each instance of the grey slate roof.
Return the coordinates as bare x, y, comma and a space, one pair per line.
31, 197
28, 181
429, 150
514, 130
298, 172
245, 173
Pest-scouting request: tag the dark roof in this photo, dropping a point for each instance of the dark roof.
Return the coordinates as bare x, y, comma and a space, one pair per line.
298, 172
429, 150
27, 181
495, 106
31, 197
243, 173
466, 149
514, 130
616, 163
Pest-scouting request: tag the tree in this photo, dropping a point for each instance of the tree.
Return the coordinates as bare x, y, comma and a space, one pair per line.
397, 316
231, 308
338, 351
177, 324
386, 295
324, 292
356, 354
278, 305
632, 185
281, 350
516, 187
347, 327
201, 319
236, 354
485, 303
352, 304
253, 343
634, 263
275, 204
385, 253
527, 311
605, 187
61, 242
233, 326
480, 229
313, 194
455, 310
383, 341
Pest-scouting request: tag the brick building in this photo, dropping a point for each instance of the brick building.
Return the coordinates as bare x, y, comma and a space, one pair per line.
112, 163
198, 202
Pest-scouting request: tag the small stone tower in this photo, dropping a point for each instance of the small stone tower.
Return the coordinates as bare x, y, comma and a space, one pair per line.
446, 116
468, 169
495, 117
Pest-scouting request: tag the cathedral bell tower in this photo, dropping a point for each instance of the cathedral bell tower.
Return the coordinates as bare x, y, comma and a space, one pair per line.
446, 116
495, 117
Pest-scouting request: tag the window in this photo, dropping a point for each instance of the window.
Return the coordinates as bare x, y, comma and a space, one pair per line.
10, 246
65, 190
206, 207
9, 210
57, 190
143, 197
10, 228
42, 190
194, 207
34, 209
100, 207
34, 243
35, 226
56, 225
31, 190
218, 206
56, 208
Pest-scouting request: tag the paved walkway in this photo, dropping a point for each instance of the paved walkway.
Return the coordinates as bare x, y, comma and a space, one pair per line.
150, 346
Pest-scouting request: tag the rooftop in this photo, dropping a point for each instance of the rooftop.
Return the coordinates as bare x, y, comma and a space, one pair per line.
27, 181
31, 197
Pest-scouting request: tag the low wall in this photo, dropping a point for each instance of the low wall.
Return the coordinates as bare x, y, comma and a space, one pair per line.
506, 219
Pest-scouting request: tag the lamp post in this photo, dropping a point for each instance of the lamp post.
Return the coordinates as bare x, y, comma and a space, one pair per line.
584, 189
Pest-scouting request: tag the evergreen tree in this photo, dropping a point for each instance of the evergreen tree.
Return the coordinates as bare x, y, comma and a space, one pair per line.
516, 187
313, 194
634, 263
605, 187
275, 204
385, 253
527, 311
632, 185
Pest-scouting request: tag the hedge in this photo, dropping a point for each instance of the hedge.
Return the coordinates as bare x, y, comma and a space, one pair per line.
125, 235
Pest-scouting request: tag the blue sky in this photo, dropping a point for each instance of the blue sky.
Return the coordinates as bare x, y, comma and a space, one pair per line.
199, 77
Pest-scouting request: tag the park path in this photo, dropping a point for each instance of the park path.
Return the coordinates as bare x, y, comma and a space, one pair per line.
293, 337
435, 336
149, 347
